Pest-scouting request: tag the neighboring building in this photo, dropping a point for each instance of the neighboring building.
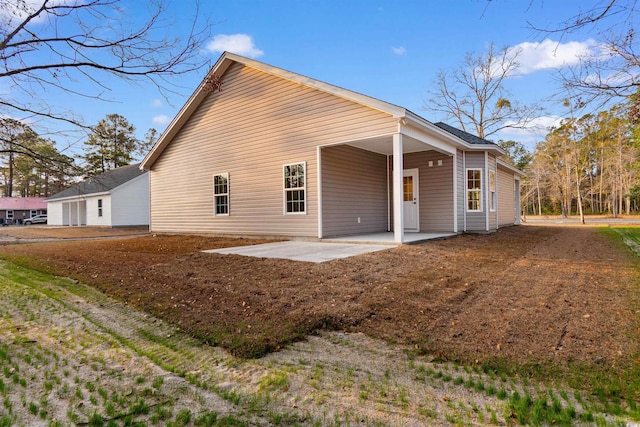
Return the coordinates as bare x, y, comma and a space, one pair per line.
116, 198
258, 150
14, 210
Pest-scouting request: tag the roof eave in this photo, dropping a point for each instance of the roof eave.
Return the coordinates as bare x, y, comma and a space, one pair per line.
457, 141
77, 196
509, 167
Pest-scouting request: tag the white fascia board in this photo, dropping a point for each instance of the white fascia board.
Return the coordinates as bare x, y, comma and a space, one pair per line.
437, 144
458, 142
504, 165
79, 197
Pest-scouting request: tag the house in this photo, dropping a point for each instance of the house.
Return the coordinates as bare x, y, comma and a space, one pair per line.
116, 198
17, 209
258, 150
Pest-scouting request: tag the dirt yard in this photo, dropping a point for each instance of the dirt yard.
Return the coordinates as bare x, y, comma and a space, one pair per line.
557, 299
26, 233
523, 294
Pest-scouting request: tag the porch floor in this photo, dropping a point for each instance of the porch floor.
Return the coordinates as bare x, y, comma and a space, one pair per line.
387, 238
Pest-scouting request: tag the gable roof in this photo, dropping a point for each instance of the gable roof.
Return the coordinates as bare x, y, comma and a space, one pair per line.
22, 203
102, 183
227, 58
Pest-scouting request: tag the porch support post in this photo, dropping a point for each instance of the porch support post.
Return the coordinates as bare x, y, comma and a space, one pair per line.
398, 208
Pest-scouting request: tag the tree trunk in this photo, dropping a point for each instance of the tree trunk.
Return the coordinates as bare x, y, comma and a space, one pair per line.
539, 199
579, 198
10, 181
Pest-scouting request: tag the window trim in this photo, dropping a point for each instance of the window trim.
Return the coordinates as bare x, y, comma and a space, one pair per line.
226, 194
285, 190
9, 216
100, 206
492, 191
468, 190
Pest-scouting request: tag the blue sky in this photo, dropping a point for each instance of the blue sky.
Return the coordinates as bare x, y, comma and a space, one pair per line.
386, 49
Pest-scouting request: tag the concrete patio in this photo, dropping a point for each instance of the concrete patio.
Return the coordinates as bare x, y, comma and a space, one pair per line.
327, 249
386, 238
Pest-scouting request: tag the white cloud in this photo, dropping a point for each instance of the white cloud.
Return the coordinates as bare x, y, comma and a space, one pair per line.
399, 50
161, 120
242, 44
535, 130
549, 54
156, 103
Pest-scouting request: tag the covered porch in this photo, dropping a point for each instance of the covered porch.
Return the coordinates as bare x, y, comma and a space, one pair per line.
398, 188
74, 213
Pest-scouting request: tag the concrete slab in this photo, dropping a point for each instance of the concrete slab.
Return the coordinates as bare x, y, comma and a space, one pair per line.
388, 238
302, 251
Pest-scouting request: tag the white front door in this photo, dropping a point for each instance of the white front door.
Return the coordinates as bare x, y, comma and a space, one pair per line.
410, 200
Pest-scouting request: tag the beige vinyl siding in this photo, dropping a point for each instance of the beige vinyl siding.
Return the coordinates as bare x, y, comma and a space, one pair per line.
250, 129
506, 198
353, 186
493, 215
460, 177
476, 221
435, 189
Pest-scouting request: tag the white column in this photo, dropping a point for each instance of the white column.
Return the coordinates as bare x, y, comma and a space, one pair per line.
319, 178
398, 205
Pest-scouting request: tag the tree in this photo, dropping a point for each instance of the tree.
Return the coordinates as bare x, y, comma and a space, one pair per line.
52, 45
593, 161
612, 71
30, 164
473, 95
145, 145
516, 153
111, 144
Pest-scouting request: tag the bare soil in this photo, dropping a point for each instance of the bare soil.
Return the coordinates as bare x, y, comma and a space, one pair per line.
521, 295
27, 233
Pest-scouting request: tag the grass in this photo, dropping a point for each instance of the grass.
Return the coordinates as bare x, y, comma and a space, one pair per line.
498, 381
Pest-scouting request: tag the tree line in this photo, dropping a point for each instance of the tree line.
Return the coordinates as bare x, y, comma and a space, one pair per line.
32, 166
585, 165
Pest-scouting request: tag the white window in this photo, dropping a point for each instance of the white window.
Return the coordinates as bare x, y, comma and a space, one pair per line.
492, 191
9, 214
33, 213
221, 194
474, 190
294, 188
99, 207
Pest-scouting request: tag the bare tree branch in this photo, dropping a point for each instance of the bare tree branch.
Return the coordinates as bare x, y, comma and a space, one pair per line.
54, 45
473, 94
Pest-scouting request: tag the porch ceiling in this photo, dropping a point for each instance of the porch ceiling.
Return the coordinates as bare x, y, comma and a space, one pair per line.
384, 145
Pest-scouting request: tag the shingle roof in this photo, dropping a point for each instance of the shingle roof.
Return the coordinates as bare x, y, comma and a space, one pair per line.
102, 183
22, 203
465, 136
